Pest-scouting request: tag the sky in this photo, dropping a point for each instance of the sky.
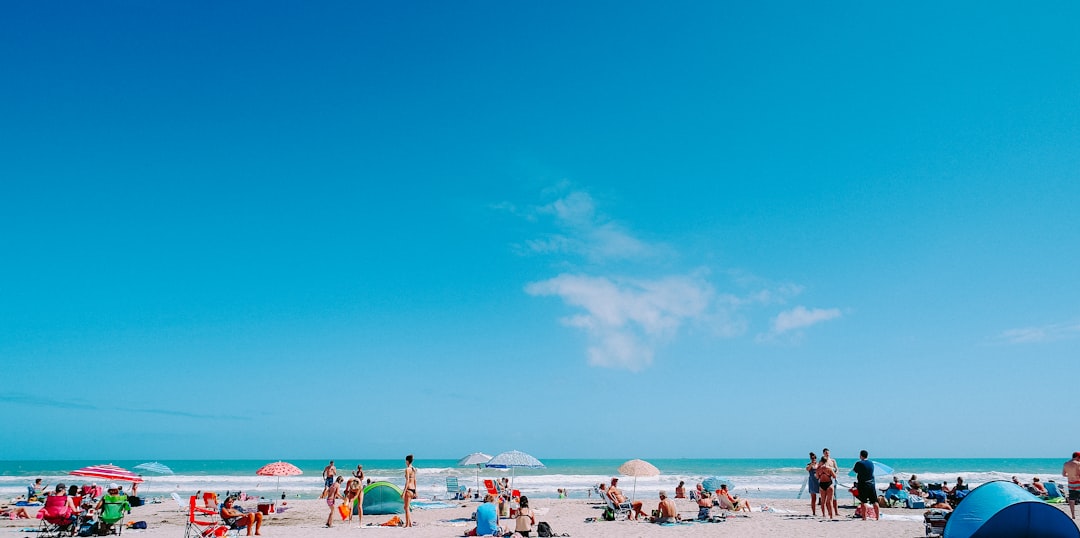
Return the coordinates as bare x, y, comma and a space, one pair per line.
578, 229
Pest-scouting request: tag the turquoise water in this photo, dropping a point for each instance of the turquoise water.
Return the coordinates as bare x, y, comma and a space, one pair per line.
769, 478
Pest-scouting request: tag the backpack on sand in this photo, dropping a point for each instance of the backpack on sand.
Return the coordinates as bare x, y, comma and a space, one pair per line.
543, 529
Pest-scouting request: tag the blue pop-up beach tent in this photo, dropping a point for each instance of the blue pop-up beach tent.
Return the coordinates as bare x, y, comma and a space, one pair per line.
382, 498
1004, 509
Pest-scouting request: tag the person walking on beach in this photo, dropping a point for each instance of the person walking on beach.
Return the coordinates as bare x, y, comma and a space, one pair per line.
332, 495
864, 480
826, 475
409, 493
1071, 472
812, 484
328, 474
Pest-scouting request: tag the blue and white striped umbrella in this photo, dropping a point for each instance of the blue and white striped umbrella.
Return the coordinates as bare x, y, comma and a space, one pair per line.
154, 467
512, 460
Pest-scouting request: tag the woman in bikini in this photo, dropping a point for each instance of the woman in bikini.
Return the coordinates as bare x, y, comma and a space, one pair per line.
409, 493
826, 476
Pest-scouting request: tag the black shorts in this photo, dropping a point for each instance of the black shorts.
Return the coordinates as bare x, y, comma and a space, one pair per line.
867, 493
1074, 495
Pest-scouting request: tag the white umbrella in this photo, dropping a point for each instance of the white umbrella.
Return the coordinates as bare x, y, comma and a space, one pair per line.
636, 468
477, 459
512, 460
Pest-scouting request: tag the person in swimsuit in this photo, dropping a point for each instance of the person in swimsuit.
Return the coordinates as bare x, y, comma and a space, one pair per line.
812, 484
409, 493
836, 471
333, 493
826, 475
666, 509
358, 503
236, 519
328, 473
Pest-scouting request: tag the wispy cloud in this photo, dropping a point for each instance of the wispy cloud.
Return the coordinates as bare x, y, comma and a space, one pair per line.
77, 405
627, 319
1038, 335
793, 321
581, 231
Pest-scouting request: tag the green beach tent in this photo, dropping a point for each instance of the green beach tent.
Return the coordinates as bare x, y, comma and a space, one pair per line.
382, 498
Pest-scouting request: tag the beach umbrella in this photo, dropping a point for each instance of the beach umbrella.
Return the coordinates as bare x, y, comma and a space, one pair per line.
713, 483
108, 472
279, 469
478, 459
880, 469
636, 468
512, 460
154, 467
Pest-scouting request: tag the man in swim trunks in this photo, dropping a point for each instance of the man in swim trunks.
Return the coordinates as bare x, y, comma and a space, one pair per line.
328, 474
409, 493
666, 508
618, 498
1071, 472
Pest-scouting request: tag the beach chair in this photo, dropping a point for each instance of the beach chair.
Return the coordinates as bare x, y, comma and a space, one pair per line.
1053, 494
453, 489
196, 525
614, 511
113, 509
896, 497
935, 520
491, 487
56, 519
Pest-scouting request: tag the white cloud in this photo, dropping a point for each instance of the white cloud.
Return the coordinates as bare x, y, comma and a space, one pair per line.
585, 233
801, 317
627, 319
1038, 335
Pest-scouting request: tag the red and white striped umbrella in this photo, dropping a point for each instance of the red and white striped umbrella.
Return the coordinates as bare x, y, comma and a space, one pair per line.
279, 468
107, 472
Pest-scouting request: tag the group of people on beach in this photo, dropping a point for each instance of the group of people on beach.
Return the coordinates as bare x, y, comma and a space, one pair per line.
352, 493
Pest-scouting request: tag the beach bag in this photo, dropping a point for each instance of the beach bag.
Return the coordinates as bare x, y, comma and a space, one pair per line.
345, 510
543, 529
87, 529
609, 514
137, 525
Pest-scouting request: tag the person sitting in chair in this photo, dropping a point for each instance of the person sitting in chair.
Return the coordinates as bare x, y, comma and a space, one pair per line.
111, 508
727, 501
618, 498
236, 519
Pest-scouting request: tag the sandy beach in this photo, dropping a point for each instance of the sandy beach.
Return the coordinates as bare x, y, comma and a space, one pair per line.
306, 519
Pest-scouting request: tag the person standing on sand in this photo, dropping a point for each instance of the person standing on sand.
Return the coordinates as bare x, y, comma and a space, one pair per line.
1071, 472
864, 481
812, 484
409, 493
332, 494
836, 472
826, 475
328, 473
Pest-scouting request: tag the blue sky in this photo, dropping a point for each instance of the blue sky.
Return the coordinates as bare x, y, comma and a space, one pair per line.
359, 230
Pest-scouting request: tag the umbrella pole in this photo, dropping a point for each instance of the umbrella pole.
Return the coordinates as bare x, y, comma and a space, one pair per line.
633, 496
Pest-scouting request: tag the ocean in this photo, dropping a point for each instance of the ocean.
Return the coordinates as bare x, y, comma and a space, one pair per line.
762, 478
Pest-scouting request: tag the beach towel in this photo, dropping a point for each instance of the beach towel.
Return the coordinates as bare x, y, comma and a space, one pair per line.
393, 522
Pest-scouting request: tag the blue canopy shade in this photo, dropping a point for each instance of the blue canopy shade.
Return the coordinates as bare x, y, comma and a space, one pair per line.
880, 469
713, 483
1002, 508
